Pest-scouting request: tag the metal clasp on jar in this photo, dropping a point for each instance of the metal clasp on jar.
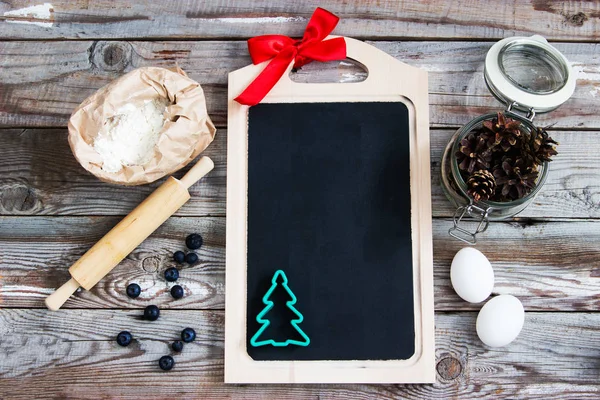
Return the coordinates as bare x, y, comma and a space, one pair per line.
530, 112
479, 214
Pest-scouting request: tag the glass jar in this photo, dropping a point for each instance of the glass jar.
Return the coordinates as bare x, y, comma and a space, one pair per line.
530, 76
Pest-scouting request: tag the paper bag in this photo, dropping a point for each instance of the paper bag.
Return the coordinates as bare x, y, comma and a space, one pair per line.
187, 131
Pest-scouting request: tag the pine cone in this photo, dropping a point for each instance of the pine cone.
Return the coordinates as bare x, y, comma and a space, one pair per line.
542, 146
506, 130
481, 185
473, 153
514, 179
488, 136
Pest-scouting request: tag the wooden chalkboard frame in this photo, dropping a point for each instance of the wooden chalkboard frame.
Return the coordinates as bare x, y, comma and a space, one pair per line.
388, 80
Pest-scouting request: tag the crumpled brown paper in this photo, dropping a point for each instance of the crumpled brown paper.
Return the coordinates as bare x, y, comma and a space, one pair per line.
188, 129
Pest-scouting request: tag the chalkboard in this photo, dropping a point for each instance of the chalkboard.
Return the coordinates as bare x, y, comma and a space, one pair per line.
329, 204
329, 196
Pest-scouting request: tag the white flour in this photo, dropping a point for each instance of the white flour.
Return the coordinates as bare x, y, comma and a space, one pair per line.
128, 138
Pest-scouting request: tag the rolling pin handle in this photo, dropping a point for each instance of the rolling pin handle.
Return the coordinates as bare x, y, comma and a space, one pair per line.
202, 167
62, 294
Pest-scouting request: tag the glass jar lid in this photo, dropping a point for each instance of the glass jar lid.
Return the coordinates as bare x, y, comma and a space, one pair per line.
529, 73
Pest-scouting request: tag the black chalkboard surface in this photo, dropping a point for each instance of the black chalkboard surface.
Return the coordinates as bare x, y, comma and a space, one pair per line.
329, 204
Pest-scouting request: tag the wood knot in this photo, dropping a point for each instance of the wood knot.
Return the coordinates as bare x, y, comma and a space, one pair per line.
18, 198
151, 264
111, 56
449, 368
576, 19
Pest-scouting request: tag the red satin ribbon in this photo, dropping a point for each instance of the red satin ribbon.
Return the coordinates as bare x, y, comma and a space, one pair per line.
281, 50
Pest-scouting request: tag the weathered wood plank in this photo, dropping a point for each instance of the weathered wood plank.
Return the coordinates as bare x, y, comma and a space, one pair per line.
555, 357
35, 253
39, 176
42, 82
235, 19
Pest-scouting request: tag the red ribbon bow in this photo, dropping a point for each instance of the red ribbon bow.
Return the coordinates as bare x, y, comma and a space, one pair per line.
282, 50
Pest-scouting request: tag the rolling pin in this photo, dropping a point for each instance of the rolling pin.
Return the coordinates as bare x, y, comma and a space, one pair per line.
129, 233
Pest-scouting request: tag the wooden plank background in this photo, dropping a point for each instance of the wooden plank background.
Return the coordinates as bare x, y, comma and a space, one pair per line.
43, 81
52, 211
489, 19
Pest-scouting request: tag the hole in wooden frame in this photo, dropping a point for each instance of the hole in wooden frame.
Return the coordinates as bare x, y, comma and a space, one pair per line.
343, 71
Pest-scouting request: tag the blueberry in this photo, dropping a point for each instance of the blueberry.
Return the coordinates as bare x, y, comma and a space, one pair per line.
166, 363
191, 258
124, 338
133, 290
179, 257
171, 274
188, 335
151, 313
177, 346
193, 241
177, 292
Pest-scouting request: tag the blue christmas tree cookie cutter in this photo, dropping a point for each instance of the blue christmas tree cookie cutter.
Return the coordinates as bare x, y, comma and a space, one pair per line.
269, 305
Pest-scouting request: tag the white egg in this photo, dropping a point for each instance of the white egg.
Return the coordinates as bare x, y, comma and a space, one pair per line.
500, 320
472, 275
